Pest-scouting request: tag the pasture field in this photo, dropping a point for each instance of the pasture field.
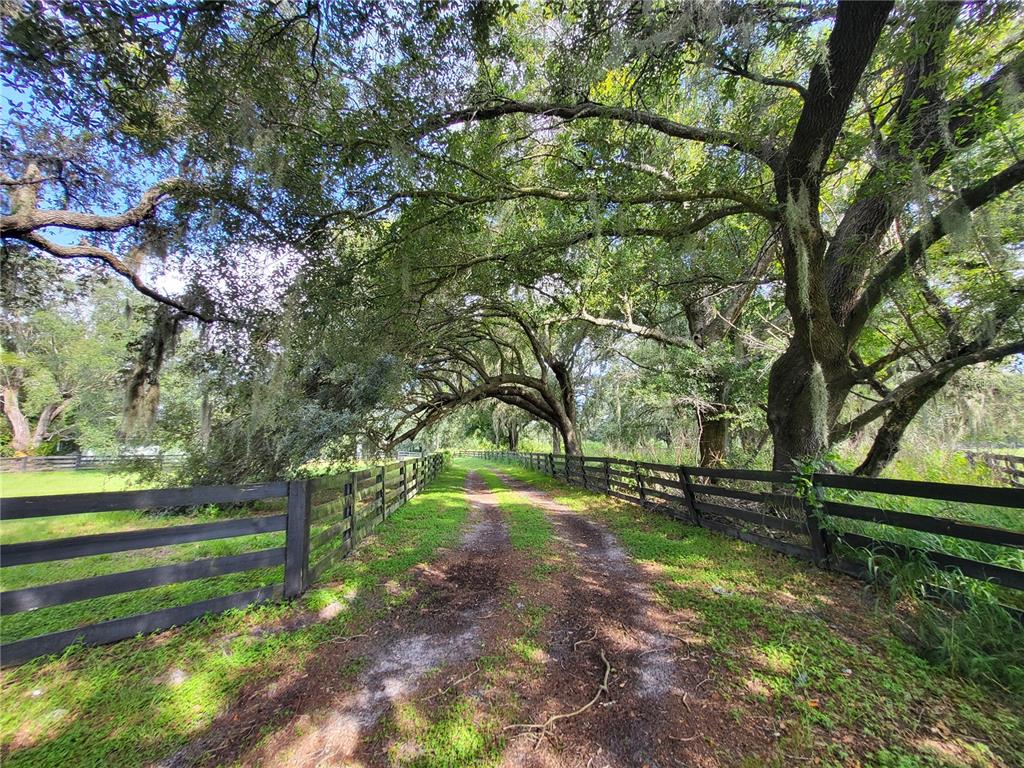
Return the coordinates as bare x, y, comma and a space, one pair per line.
62, 481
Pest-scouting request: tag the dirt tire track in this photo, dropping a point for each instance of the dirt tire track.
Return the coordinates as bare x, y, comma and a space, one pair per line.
662, 712
320, 716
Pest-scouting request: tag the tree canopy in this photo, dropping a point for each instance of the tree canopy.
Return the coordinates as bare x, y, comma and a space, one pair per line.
787, 224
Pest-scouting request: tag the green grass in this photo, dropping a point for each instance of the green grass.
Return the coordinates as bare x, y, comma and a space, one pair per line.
785, 645
979, 636
976, 636
457, 736
63, 481
52, 483
73, 615
126, 705
528, 527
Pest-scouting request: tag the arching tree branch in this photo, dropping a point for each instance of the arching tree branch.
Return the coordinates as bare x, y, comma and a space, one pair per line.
764, 150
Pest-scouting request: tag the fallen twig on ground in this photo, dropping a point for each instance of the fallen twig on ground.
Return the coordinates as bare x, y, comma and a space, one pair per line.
544, 728
346, 638
451, 685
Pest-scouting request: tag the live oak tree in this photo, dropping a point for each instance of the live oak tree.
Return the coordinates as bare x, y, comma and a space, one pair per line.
63, 349
183, 134
452, 343
498, 352
691, 299
501, 144
507, 423
960, 308
885, 131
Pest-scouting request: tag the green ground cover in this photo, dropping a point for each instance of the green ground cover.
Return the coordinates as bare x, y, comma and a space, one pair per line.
54, 618
131, 703
836, 676
787, 645
62, 481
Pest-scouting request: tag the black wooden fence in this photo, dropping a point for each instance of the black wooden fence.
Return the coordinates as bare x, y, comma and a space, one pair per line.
833, 521
74, 461
1005, 466
326, 517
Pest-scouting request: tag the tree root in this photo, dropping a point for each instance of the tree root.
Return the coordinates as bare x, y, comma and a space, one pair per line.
544, 729
587, 640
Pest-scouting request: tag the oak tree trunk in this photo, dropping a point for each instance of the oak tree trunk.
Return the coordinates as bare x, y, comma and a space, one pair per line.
21, 432
713, 423
570, 439
887, 440
805, 398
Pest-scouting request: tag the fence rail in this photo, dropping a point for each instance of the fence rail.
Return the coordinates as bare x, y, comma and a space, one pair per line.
1005, 466
830, 522
81, 461
326, 517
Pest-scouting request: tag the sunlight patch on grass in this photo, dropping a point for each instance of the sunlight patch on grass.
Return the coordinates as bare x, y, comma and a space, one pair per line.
454, 739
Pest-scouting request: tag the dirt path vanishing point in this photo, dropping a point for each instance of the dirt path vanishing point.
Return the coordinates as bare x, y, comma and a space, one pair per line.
601, 625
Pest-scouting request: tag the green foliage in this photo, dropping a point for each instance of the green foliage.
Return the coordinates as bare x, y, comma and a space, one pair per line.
65, 350
382, 219
959, 623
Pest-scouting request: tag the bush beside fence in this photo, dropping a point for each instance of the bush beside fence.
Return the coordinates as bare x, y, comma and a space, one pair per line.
326, 517
818, 521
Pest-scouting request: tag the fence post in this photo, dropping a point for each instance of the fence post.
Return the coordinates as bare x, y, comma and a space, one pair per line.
353, 535
691, 500
607, 475
296, 553
383, 491
640, 484
819, 539
405, 484
583, 472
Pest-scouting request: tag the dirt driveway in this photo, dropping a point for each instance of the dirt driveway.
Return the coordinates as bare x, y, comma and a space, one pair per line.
606, 678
